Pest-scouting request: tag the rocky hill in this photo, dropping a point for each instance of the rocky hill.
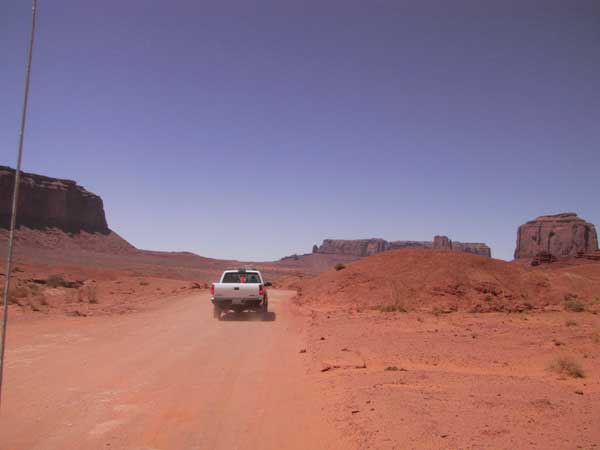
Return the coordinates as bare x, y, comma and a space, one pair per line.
368, 247
46, 202
563, 235
418, 280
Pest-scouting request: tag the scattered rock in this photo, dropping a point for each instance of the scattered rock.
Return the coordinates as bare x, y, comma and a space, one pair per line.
326, 367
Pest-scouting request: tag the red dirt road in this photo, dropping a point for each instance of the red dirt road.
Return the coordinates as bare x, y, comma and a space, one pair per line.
167, 378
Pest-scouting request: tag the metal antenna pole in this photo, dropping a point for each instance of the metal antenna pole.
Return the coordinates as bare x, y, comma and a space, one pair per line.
15, 199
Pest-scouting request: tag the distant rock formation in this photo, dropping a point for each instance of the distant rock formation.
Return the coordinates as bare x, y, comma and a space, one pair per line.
357, 247
46, 202
562, 235
368, 247
411, 245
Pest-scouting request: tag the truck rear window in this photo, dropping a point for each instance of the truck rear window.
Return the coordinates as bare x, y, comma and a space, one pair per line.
236, 277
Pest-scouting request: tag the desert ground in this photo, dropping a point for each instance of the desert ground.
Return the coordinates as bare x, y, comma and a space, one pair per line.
466, 352
460, 381
168, 377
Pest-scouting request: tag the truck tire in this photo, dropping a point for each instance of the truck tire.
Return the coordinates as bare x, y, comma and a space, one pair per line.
216, 312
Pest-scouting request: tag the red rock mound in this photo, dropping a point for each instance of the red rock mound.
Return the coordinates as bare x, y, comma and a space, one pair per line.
435, 281
54, 239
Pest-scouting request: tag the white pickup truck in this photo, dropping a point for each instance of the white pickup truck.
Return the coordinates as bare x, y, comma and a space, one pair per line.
239, 290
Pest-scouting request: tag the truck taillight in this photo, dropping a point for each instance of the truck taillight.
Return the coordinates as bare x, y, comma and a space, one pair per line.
261, 290
212, 289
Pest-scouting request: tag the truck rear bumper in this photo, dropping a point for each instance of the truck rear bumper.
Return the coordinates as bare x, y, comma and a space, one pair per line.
241, 303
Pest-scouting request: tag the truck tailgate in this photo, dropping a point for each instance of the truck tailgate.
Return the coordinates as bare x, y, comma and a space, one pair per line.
236, 290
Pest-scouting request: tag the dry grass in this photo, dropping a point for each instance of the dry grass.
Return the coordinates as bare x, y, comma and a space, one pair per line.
397, 302
89, 293
571, 323
566, 365
390, 308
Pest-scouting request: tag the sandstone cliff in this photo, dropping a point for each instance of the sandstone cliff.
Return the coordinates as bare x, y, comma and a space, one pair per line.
560, 235
368, 247
46, 202
357, 247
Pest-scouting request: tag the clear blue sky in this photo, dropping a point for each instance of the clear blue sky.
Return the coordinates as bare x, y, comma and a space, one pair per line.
253, 130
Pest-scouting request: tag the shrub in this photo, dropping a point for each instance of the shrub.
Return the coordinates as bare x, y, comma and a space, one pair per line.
390, 307
567, 366
572, 303
397, 303
88, 292
438, 310
55, 281
571, 323
144, 283
340, 266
